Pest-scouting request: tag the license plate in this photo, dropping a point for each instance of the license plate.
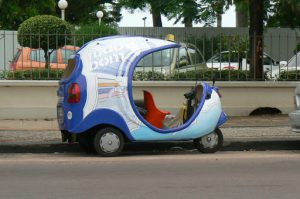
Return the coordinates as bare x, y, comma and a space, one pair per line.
60, 115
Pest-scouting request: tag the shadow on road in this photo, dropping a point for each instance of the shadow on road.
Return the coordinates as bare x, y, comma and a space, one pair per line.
155, 148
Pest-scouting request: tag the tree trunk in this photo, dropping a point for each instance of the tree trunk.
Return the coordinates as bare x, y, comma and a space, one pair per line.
219, 20
156, 15
256, 39
188, 23
46, 58
241, 19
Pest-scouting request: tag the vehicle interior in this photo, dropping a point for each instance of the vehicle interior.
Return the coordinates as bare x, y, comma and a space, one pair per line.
158, 117
150, 104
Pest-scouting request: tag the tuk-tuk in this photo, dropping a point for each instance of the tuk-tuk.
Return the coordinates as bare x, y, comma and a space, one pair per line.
96, 105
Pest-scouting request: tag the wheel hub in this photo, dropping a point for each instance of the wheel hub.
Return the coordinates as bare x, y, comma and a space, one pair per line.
109, 142
210, 140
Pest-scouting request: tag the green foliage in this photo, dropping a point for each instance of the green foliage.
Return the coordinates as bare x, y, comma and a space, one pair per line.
83, 12
148, 76
209, 46
35, 74
289, 76
284, 13
157, 7
205, 11
207, 75
92, 31
14, 12
199, 75
44, 31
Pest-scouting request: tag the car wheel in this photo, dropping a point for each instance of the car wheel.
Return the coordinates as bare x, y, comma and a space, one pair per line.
108, 142
210, 143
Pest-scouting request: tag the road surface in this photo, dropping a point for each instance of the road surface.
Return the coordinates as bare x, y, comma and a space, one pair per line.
248, 174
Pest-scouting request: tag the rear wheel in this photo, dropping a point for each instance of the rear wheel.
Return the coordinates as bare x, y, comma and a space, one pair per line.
109, 142
210, 143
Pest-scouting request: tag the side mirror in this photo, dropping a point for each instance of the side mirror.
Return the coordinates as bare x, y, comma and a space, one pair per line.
283, 63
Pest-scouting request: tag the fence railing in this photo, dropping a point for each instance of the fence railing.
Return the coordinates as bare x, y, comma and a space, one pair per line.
200, 57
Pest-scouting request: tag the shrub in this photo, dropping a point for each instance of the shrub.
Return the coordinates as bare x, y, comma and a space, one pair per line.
35, 74
199, 75
289, 76
45, 32
92, 31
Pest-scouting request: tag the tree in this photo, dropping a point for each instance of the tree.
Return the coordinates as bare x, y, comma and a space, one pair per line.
284, 13
242, 13
83, 12
45, 32
205, 11
91, 31
185, 10
14, 12
157, 7
256, 38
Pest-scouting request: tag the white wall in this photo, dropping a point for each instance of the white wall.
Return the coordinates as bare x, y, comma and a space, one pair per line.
37, 99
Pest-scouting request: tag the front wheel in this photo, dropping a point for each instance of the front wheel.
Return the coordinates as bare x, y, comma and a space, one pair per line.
210, 143
109, 142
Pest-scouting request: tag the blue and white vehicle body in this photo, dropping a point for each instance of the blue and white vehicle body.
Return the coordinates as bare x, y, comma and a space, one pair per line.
103, 70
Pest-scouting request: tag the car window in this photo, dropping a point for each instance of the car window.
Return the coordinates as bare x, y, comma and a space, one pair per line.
183, 58
215, 58
66, 54
194, 55
230, 57
295, 61
157, 59
267, 61
39, 56
17, 55
227, 57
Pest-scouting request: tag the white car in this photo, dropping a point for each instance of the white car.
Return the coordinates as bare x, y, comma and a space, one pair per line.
292, 65
233, 60
295, 115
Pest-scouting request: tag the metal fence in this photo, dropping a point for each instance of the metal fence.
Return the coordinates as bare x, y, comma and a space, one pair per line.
222, 53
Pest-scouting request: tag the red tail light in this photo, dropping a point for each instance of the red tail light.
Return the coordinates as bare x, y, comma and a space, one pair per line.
74, 93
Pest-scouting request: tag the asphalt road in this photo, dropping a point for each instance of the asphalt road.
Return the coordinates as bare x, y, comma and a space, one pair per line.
249, 174
257, 161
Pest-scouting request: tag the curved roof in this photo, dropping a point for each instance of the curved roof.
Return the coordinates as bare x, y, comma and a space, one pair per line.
114, 55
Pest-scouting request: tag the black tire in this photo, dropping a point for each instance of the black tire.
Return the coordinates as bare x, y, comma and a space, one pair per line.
85, 141
210, 143
108, 142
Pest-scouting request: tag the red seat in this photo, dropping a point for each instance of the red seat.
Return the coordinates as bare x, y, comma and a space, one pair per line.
154, 116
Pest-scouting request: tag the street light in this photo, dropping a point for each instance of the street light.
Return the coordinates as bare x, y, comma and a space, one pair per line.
62, 4
99, 15
144, 21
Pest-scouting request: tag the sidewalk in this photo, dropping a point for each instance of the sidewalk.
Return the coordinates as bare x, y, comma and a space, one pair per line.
51, 125
237, 129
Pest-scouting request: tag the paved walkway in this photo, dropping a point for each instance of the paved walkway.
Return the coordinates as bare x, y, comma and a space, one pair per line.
254, 128
51, 125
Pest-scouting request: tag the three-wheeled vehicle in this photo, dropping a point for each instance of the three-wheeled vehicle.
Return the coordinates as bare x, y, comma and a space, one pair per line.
96, 105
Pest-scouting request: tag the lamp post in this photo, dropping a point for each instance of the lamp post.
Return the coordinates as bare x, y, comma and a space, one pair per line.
99, 15
144, 21
62, 4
